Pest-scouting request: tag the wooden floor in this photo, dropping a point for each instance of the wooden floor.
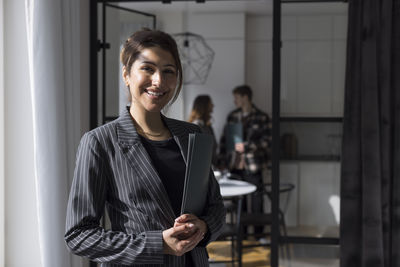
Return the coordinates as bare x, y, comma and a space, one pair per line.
301, 255
252, 257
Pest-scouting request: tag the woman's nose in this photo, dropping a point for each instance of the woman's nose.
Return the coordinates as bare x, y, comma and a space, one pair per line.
157, 78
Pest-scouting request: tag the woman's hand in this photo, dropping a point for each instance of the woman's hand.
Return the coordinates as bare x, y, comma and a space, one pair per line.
176, 246
194, 224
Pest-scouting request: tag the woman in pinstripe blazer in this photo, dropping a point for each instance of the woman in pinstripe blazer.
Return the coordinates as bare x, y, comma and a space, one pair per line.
134, 167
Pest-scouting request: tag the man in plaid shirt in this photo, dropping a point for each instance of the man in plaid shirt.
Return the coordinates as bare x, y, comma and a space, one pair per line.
251, 156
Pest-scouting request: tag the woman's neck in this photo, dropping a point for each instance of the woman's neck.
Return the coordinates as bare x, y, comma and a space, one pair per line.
149, 123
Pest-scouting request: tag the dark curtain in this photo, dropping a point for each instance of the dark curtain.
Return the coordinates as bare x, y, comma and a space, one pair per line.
370, 182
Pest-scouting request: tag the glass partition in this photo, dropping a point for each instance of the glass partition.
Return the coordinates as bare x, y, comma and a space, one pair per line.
313, 58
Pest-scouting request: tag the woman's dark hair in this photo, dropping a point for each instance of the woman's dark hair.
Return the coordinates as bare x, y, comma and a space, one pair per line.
201, 109
147, 38
243, 90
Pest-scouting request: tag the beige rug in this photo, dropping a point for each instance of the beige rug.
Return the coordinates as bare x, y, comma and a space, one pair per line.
252, 257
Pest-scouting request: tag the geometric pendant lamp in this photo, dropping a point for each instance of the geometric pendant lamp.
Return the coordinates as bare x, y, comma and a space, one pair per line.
196, 57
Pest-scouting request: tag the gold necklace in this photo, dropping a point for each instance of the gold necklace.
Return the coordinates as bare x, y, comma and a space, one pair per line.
150, 134
139, 129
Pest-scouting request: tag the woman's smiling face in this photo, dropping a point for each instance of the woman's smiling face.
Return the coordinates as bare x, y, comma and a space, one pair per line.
152, 79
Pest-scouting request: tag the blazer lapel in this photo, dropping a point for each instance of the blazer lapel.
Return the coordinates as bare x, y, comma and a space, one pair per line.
137, 156
180, 135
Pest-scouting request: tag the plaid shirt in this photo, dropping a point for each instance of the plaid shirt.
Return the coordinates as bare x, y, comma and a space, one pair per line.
257, 140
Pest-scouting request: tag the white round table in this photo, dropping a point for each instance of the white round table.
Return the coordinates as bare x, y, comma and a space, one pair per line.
235, 188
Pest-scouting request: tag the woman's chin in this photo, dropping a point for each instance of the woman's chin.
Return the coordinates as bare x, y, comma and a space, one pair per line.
154, 108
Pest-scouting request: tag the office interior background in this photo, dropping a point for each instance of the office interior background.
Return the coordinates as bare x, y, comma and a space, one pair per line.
44, 111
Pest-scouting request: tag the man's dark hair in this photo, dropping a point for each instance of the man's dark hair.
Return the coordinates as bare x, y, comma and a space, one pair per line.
243, 90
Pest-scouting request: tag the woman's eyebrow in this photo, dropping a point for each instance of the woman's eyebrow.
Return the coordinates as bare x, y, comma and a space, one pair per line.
154, 64
145, 60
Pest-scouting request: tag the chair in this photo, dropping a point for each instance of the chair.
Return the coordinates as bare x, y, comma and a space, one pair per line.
264, 219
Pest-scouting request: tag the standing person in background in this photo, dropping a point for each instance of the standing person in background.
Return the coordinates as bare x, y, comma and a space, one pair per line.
201, 116
135, 167
249, 157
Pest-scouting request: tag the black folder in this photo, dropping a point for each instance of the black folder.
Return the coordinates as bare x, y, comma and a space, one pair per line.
197, 175
234, 135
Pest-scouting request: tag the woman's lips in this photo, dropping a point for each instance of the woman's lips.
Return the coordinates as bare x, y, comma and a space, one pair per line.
154, 93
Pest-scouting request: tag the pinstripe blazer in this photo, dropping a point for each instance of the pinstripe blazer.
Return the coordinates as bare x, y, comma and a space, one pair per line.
113, 170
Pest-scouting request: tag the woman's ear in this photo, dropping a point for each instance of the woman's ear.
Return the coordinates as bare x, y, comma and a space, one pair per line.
125, 75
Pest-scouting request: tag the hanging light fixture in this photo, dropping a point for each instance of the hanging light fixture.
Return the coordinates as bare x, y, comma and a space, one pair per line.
196, 56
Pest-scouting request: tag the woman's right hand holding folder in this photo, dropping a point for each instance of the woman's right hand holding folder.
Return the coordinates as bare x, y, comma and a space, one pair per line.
187, 232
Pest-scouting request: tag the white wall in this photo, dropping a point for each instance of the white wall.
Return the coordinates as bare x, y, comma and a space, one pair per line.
21, 237
259, 60
225, 34
170, 22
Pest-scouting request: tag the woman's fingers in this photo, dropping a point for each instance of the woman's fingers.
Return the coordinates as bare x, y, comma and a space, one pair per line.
194, 240
185, 218
182, 229
177, 247
194, 224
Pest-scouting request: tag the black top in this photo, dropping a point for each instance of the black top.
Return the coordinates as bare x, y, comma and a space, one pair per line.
170, 166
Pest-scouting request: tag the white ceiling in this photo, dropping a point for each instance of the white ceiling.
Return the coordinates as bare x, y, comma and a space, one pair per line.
254, 7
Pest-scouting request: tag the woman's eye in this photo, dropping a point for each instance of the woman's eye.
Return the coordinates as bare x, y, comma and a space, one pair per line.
169, 71
148, 69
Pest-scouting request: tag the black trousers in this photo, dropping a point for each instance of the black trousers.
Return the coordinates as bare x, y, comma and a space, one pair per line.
257, 199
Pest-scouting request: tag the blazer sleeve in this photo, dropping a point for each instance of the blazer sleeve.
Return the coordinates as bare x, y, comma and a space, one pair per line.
215, 212
84, 236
